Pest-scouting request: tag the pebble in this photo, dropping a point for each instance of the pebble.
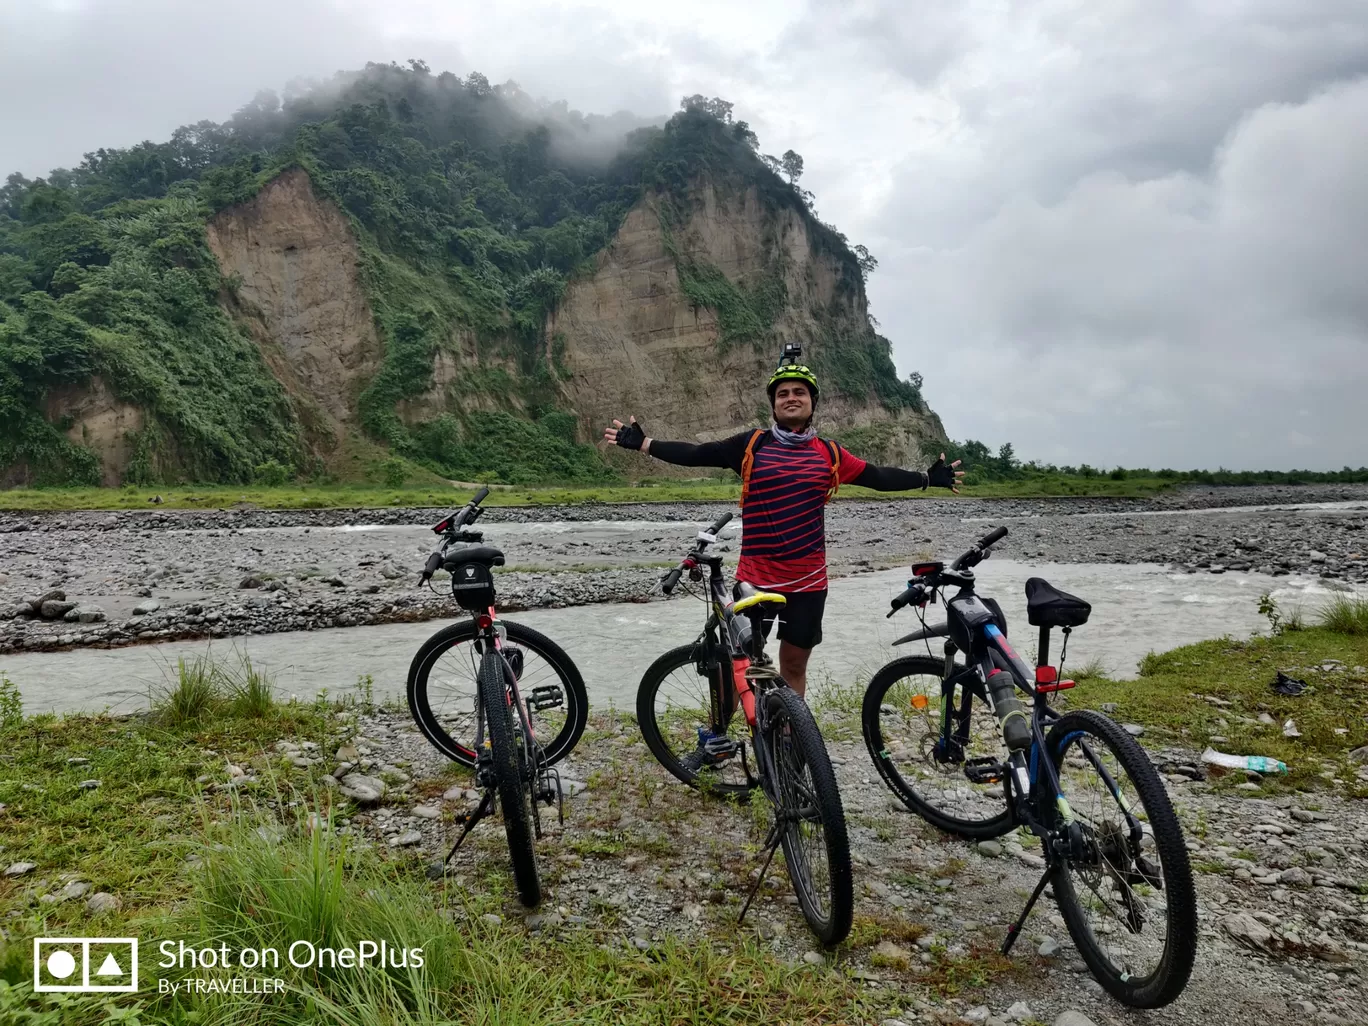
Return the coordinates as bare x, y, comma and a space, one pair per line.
427, 812
102, 901
813, 958
978, 1014
146, 608
407, 839
1049, 947
88, 785
20, 868
1019, 1011
362, 789
490, 919
989, 849
1133, 729
1072, 1018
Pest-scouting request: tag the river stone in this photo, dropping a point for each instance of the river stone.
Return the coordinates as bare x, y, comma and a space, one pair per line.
75, 889
407, 839
1296, 877
52, 609
1020, 1011
813, 958
102, 901
1049, 947
88, 785
1244, 928
427, 812
144, 608
362, 789
92, 615
20, 868
250, 582
1072, 1018
1360, 754
989, 849
979, 1014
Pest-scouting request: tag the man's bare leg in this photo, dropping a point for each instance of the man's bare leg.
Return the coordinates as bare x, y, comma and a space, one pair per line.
793, 665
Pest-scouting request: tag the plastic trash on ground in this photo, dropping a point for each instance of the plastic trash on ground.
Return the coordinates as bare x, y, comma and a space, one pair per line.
1257, 763
1290, 686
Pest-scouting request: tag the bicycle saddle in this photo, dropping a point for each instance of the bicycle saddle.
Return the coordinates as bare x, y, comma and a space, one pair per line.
1047, 606
486, 555
747, 596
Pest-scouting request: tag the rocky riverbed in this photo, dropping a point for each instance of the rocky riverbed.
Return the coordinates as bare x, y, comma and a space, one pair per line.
113, 578
1282, 881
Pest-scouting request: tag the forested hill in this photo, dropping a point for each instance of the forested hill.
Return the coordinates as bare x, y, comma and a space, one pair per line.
400, 264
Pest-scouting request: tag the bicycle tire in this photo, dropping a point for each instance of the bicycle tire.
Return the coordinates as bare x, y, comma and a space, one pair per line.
1171, 975
572, 685
887, 676
651, 731
786, 705
508, 778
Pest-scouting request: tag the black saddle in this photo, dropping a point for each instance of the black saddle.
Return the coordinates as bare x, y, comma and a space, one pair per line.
1047, 606
485, 555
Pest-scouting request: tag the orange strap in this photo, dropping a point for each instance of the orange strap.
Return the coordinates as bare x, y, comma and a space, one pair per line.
748, 464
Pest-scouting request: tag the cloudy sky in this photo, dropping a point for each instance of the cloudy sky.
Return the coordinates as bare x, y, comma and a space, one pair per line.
1120, 231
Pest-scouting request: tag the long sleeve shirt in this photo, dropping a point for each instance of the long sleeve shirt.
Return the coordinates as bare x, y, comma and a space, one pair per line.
783, 523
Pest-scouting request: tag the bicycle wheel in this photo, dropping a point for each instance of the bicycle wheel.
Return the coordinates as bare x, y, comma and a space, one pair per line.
443, 685
901, 718
1130, 906
507, 756
674, 713
813, 826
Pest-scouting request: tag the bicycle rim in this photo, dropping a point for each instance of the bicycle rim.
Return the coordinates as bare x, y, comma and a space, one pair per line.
901, 723
1130, 907
674, 705
443, 685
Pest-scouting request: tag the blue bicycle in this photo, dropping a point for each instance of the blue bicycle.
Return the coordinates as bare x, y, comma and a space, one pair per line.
952, 740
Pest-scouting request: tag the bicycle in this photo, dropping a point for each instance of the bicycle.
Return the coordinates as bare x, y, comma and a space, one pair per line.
949, 767
518, 680
792, 767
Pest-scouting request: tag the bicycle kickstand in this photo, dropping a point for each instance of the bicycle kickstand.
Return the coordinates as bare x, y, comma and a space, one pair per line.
772, 840
469, 820
1014, 930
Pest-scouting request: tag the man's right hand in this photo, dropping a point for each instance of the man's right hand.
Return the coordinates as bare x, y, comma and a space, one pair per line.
629, 436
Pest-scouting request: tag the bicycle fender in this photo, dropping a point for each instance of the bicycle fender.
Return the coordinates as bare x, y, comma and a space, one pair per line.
940, 630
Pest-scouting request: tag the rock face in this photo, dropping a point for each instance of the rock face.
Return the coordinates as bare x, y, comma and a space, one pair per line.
635, 344
300, 293
99, 421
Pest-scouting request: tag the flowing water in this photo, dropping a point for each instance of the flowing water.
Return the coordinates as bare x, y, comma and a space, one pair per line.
1136, 609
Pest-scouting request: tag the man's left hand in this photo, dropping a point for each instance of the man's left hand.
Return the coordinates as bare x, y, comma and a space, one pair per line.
939, 475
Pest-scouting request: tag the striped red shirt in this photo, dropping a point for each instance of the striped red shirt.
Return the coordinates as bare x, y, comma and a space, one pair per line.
783, 524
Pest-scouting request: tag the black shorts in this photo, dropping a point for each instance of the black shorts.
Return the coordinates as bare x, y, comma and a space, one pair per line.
800, 618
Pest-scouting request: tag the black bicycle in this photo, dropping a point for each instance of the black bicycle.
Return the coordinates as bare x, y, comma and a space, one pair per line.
496, 696
686, 706
1113, 847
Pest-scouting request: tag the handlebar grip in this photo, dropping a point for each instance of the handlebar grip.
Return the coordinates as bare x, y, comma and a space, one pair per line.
480, 496
720, 522
993, 537
670, 580
434, 562
912, 594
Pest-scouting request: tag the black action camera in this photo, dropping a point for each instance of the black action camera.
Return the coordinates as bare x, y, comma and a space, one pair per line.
792, 352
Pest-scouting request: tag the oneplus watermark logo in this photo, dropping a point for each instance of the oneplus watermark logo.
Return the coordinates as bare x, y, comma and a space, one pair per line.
85, 965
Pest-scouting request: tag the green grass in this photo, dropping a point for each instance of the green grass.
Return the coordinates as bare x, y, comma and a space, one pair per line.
300, 496
1167, 700
1346, 614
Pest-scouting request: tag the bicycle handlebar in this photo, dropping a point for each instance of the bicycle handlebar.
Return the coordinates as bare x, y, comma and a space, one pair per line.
975, 554
704, 538
448, 528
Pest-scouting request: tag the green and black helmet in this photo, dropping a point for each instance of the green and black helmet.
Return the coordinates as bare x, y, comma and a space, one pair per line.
793, 372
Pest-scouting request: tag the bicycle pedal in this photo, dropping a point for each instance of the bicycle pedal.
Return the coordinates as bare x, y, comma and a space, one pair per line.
985, 770
547, 696
719, 748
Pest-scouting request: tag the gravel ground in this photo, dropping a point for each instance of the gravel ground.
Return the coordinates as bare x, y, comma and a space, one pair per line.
112, 578
1282, 883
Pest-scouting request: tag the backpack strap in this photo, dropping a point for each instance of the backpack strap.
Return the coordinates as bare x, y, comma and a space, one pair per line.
834, 454
748, 463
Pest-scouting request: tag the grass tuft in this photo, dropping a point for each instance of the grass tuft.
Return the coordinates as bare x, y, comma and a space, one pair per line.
1346, 614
